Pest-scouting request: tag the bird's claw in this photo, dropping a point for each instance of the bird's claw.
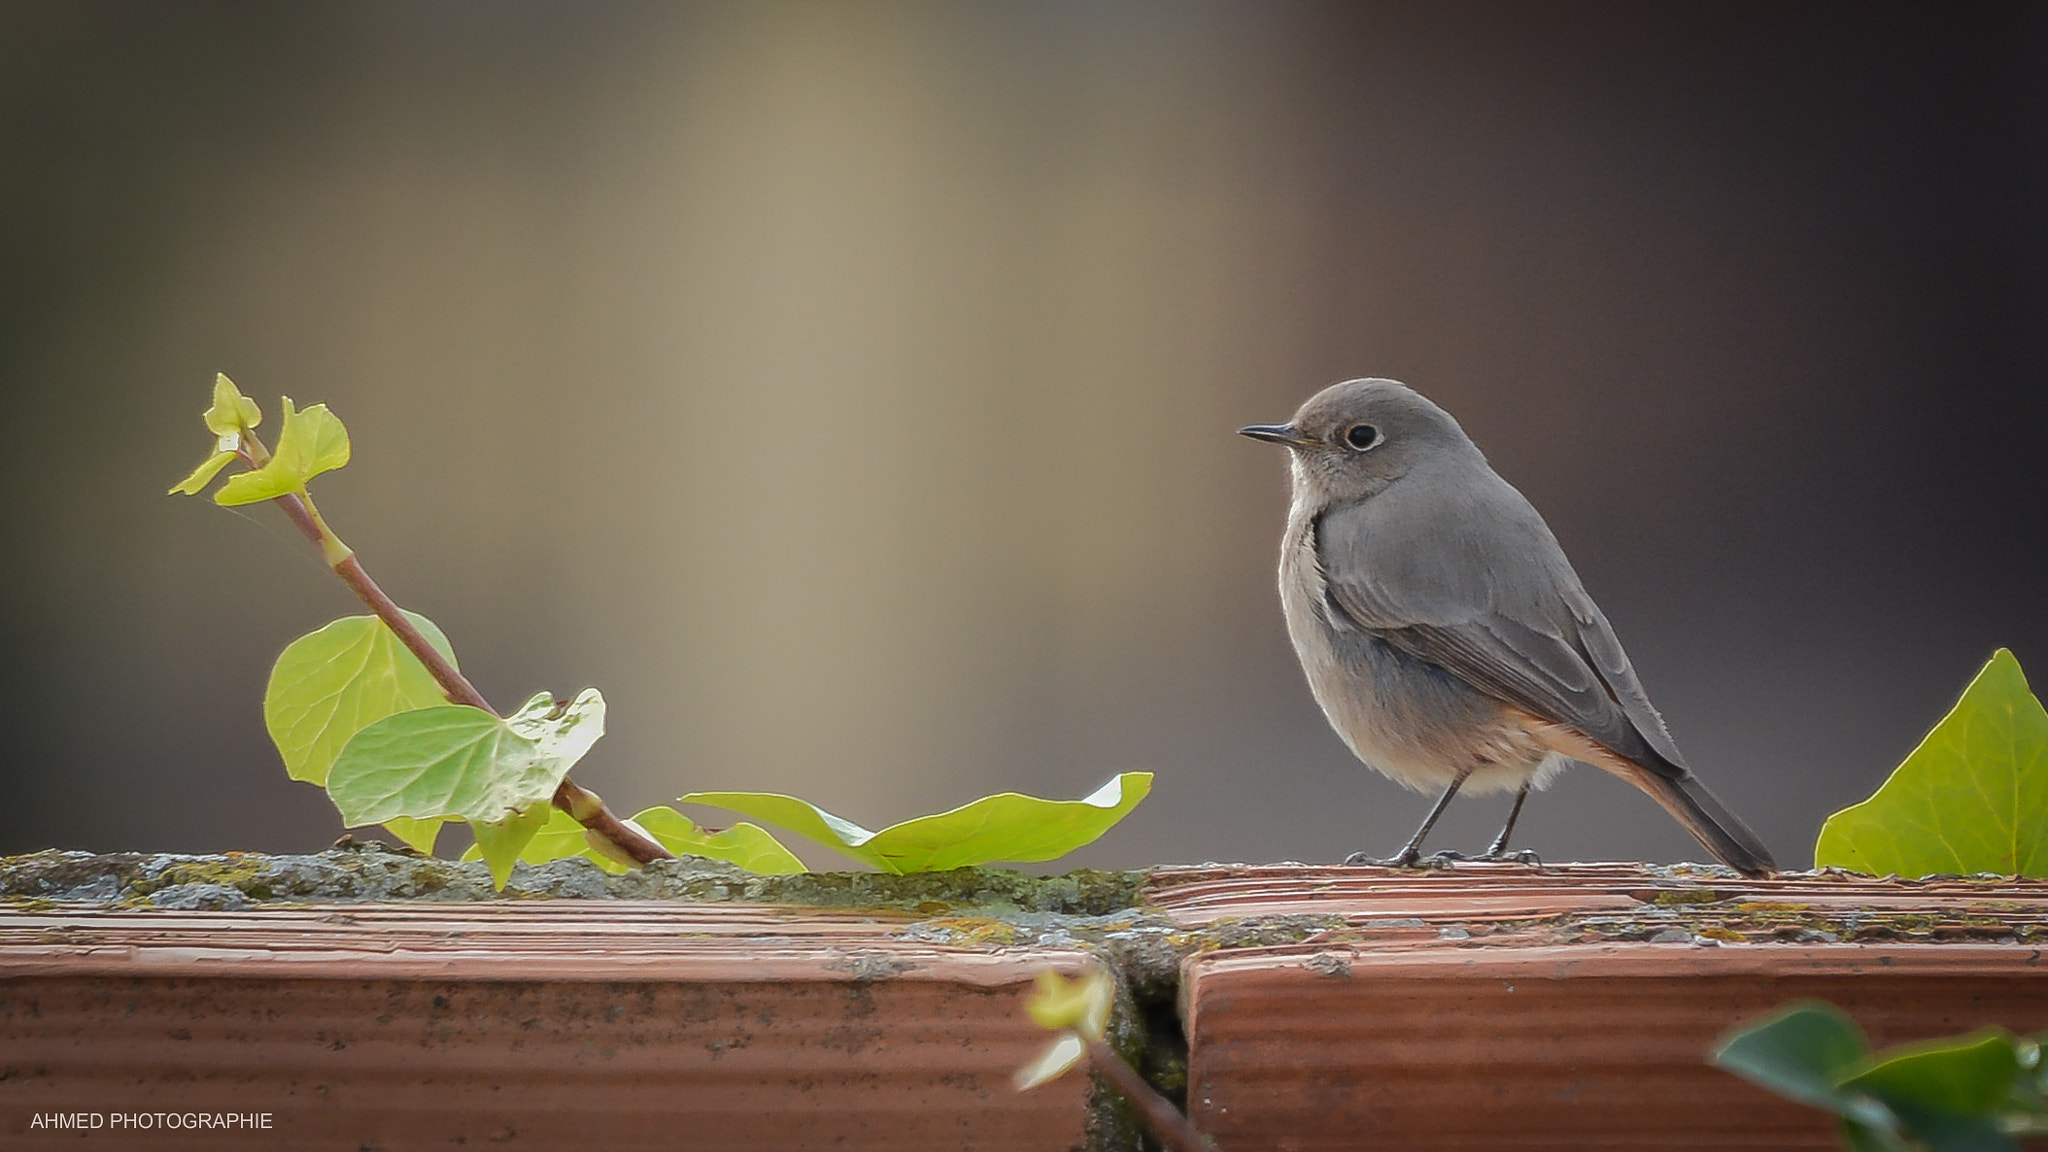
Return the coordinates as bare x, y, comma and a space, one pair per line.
1368, 860
1442, 861
1435, 861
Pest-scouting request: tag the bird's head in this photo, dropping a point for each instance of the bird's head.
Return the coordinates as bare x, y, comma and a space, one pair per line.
1351, 440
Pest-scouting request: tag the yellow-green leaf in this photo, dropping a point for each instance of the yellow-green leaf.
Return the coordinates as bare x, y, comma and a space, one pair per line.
459, 761
559, 838
330, 684
747, 845
1973, 797
500, 842
201, 476
232, 413
1077, 1010
312, 442
419, 834
1005, 827
1081, 1005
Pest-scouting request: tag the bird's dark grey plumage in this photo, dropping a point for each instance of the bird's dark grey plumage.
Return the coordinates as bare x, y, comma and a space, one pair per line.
1443, 632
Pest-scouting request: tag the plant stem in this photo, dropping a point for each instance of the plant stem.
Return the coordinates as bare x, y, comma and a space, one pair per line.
1174, 1130
587, 807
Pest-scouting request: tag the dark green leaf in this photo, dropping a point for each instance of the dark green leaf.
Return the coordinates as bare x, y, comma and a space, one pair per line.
1864, 1138
1948, 1092
1801, 1052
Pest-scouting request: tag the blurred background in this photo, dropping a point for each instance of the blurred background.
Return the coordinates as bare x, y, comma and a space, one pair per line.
847, 390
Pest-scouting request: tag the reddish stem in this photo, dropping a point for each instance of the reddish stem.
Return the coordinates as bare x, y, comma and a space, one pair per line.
1174, 1130
586, 806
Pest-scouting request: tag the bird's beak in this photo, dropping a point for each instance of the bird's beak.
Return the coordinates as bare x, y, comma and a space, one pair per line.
1277, 434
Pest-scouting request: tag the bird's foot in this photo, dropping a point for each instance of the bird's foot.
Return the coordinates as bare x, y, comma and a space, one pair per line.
1403, 860
1435, 861
1444, 860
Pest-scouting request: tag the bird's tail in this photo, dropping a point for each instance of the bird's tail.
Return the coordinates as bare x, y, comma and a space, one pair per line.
1721, 831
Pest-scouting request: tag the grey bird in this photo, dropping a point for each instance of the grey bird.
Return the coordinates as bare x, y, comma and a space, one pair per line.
1443, 632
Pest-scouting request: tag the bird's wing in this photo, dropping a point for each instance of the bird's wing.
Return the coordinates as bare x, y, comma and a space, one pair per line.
1435, 590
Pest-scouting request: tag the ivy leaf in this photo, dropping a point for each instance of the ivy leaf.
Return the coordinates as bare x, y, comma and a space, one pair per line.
799, 816
312, 442
1803, 1052
1948, 1092
1800, 1052
558, 838
1006, 827
458, 761
1080, 1005
566, 728
203, 475
231, 414
1950, 1095
1973, 797
1078, 1010
330, 684
419, 834
502, 842
747, 845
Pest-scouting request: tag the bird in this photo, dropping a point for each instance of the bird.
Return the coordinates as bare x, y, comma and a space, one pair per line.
1443, 632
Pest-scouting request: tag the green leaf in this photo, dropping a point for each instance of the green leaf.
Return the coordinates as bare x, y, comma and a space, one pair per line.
559, 838
1948, 1092
799, 816
1801, 1052
312, 442
463, 762
1973, 797
747, 845
231, 414
201, 476
501, 842
1970, 1073
1864, 1138
1006, 827
419, 834
330, 684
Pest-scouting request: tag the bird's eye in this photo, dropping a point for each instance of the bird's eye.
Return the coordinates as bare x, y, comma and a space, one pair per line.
1362, 436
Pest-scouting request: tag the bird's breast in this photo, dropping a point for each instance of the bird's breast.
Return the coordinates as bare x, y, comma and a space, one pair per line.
1410, 720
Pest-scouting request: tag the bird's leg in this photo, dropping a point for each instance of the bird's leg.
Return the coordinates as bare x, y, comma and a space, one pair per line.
1500, 842
1499, 849
1412, 851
